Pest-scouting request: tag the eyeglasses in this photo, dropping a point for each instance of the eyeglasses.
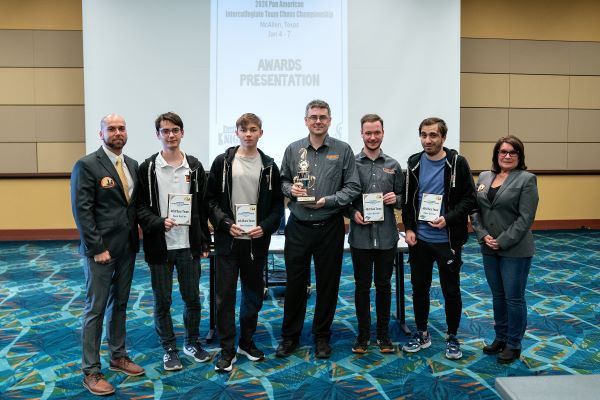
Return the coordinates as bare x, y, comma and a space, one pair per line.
504, 153
166, 131
320, 118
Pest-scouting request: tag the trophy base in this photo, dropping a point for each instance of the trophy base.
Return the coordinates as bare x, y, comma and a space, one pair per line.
308, 200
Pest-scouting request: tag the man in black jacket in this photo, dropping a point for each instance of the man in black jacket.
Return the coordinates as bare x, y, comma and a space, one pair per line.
168, 244
243, 178
440, 195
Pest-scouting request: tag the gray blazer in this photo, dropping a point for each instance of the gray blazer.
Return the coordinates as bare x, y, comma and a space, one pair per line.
509, 217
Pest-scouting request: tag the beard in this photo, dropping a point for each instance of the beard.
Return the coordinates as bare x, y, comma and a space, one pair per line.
115, 143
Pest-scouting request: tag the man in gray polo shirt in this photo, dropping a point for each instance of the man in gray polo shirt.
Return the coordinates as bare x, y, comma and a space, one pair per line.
373, 244
315, 230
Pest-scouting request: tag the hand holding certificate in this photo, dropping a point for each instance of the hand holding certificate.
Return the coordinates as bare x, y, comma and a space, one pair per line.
431, 205
245, 216
373, 207
180, 208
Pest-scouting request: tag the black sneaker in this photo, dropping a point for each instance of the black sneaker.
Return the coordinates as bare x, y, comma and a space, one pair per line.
225, 363
196, 351
251, 352
453, 351
322, 349
385, 345
420, 340
286, 348
360, 346
171, 360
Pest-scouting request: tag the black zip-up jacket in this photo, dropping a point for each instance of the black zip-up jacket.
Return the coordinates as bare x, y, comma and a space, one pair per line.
269, 208
153, 225
459, 196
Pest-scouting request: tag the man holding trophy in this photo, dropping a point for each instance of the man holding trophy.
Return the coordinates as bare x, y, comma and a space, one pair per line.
246, 206
319, 176
373, 233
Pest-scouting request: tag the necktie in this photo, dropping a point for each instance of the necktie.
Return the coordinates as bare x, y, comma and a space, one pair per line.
123, 178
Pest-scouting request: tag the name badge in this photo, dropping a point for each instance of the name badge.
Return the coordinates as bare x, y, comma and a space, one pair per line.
373, 207
245, 216
431, 205
180, 208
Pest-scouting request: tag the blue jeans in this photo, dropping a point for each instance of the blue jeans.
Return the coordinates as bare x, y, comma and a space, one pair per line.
507, 277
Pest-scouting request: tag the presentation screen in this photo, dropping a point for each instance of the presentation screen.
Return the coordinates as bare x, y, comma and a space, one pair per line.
212, 61
267, 58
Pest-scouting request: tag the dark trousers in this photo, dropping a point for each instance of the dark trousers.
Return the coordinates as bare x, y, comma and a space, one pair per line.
421, 258
251, 273
326, 245
188, 276
107, 292
380, 264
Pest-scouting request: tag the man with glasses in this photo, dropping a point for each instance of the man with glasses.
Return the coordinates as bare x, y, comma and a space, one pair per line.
440, 195
168, 244
103, 190
315, 230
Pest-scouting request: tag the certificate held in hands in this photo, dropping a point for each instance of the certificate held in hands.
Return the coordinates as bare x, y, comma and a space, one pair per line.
373, 207
245, 216
431, 205
180, 208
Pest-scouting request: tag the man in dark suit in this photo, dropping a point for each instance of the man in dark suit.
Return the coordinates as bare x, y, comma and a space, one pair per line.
103, 192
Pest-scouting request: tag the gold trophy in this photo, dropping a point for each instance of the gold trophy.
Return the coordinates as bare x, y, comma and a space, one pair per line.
305, 179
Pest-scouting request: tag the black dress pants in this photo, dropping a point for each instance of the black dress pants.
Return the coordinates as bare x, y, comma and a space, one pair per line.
369, 263
325, 244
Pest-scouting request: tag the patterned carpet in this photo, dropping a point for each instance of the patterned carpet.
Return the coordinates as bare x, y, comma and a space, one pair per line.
41, 299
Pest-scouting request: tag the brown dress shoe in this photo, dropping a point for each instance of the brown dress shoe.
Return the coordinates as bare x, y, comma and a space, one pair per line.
508, 355
496, 347
97, 385
125, 365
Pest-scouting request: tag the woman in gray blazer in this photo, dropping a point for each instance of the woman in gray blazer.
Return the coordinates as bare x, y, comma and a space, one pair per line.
507, 200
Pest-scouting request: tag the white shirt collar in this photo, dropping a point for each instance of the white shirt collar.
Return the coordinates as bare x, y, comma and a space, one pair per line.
112, 156
162, 163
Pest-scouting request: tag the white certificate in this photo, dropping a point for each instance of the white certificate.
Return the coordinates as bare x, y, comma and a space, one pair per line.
373, 207
431, 204
245, 216
180, 208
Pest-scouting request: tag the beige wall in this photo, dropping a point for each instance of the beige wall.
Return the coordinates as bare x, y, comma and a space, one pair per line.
532, 68
545, 92
41, 81
522, 61
569, 20
35, 204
